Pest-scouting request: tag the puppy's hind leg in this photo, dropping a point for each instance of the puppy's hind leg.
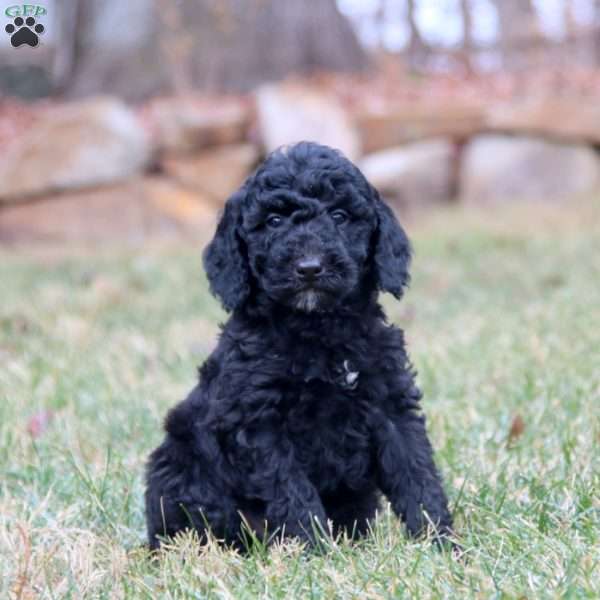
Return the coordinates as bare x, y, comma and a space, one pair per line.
183, 494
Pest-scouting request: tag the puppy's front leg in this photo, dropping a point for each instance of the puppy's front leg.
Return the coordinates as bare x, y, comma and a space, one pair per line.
292, 503
407, 473
296, 509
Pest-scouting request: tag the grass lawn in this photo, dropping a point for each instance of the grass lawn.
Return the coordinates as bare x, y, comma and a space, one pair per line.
503, 325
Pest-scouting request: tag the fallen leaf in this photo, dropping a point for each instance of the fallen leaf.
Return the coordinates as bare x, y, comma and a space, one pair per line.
517, 428
39, 423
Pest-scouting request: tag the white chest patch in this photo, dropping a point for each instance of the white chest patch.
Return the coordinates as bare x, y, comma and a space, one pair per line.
350, 377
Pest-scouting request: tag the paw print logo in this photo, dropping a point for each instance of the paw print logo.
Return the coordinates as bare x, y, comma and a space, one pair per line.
24, 31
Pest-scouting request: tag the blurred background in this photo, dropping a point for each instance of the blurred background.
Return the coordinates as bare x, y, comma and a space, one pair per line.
124, 120
125, 125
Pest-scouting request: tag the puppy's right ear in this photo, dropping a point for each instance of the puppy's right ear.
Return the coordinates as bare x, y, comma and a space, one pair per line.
225, 260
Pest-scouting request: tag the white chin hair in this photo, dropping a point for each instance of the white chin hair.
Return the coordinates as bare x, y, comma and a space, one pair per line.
307, 301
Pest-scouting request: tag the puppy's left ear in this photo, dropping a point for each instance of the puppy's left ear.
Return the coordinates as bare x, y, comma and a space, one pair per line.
392, 251
225, 259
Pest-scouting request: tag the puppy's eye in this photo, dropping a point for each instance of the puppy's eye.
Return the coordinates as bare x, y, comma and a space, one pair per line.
339, 216
274, 221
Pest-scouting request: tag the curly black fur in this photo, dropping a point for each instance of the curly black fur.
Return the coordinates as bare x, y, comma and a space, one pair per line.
307, 408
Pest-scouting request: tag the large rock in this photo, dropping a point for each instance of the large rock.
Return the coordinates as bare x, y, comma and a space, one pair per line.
217, 172
567, 119
290, 113
74, 146
405, 124
420, 173
502, 168
131, 211
189, 123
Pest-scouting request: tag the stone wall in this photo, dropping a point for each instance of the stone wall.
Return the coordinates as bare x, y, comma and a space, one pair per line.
185, 155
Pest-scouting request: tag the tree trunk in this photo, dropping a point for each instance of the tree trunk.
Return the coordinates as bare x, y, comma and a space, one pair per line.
65, 53
417, 48
467, 44
380, 19
216, 45
596, 30
519, 30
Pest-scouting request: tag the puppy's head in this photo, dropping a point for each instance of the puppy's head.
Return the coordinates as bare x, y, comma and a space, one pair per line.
306, 231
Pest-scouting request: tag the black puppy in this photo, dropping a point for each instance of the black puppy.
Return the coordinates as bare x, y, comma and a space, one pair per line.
308, 407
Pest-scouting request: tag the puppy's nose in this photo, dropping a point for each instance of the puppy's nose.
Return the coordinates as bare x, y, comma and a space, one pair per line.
309, 268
